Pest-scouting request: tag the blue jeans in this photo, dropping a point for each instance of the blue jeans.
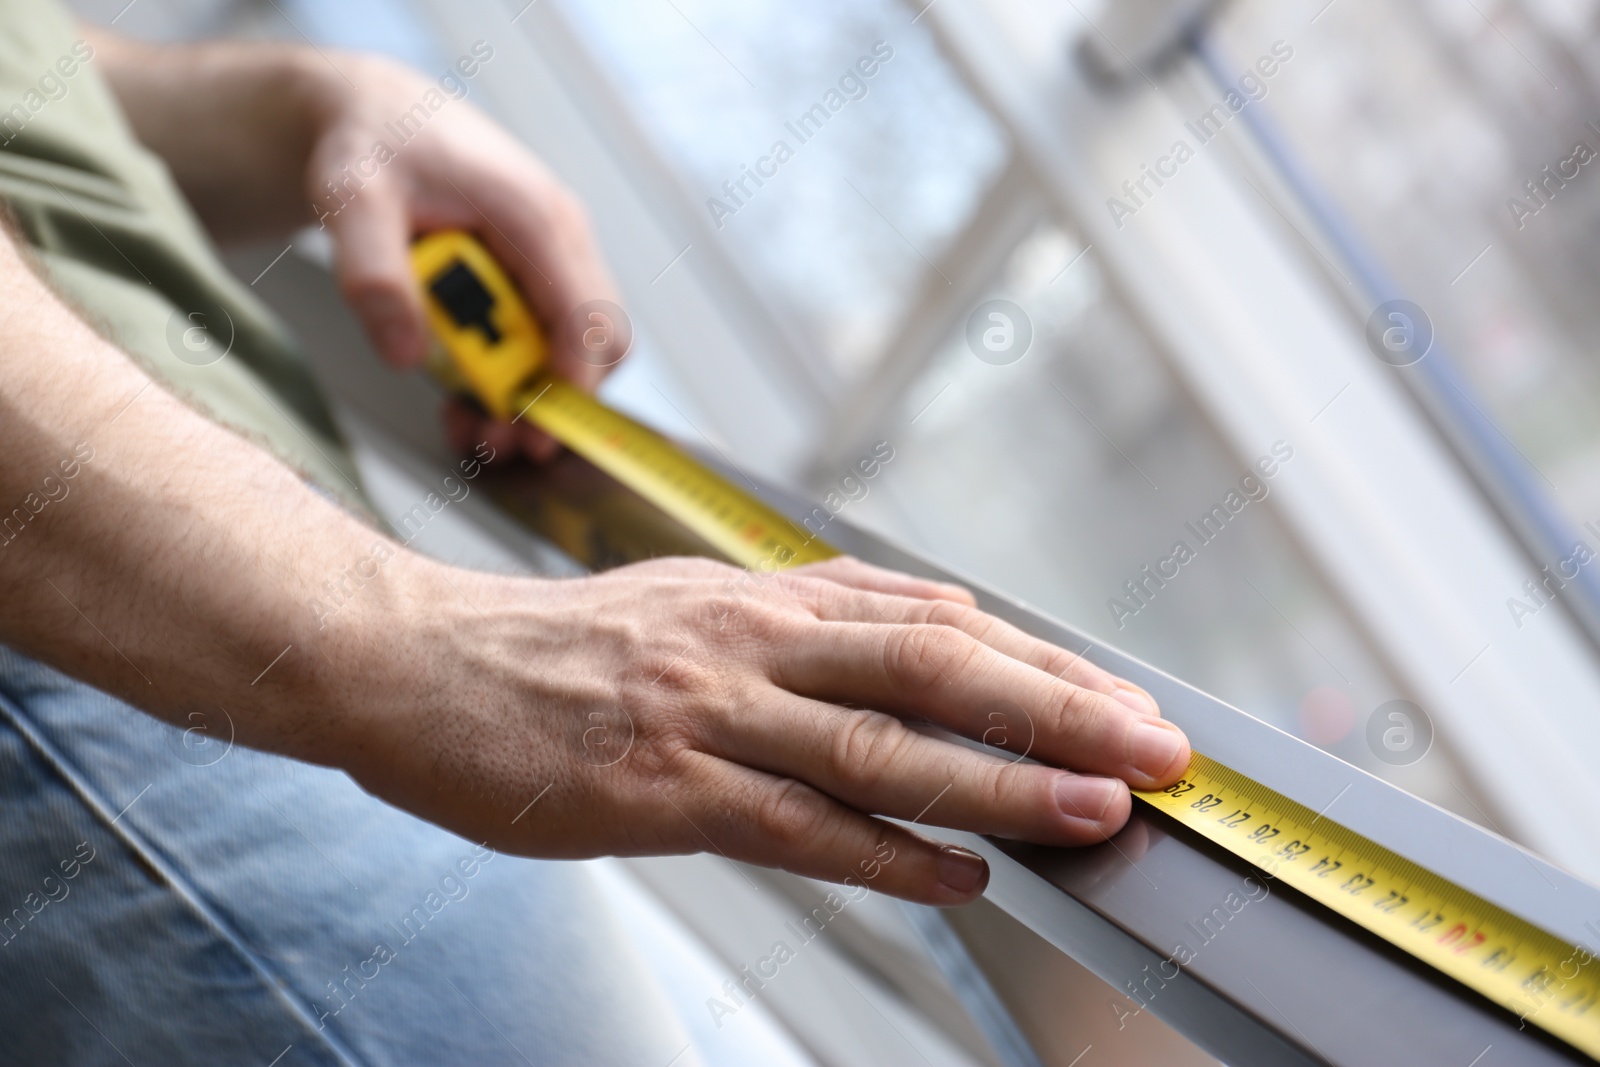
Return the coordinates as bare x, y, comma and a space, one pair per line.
168, 898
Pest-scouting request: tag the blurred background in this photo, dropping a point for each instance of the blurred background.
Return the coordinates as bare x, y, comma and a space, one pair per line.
1200, 215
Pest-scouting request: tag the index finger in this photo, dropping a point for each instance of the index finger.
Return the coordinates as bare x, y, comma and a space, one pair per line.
542, 237
951, 678
883, 605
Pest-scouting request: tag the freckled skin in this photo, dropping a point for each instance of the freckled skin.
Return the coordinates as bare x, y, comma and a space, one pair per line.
667, 707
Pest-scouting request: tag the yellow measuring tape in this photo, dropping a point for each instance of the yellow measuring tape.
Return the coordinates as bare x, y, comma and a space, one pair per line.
1515, 964
496, 351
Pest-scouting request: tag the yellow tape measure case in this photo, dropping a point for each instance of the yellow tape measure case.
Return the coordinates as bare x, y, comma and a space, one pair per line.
477, 314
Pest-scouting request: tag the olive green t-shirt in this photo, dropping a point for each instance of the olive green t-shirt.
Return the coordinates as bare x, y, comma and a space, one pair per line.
117, 240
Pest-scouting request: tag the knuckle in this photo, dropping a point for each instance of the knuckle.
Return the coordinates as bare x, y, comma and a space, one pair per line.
866, 748
757, 622
1062, 664
667, 744
794, 584
947, 613
963, 617
723, 610
1075, 668
920, 657
769, 623
1080, 714
675, 674
788, 814
739, 582
824, 568
1006, 784
811, 593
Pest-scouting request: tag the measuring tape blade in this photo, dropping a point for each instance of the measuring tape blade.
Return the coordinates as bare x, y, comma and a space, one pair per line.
738, 525
1530, 973
496, 352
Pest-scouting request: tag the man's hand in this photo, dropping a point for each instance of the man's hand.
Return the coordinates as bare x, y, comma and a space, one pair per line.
461, 171
263, 139
685, 706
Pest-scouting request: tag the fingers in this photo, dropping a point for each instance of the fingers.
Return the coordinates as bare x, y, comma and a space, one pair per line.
544, 240
537, 444
372, 237
864, 577
872, 605
465, 426
944, 674
778, 822
876, 764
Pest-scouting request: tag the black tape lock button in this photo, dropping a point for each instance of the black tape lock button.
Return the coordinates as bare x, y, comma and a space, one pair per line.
466, 300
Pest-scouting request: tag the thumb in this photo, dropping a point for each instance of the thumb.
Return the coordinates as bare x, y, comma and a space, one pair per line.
588, 341
372, 246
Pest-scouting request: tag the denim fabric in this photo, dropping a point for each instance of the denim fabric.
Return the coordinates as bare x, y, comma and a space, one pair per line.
167, 898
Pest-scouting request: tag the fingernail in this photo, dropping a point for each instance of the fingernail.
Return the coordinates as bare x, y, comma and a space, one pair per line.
961, 870
1138, 700
1085, 798
1155, 748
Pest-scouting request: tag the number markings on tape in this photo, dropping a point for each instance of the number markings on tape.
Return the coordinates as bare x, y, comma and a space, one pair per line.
1534, 975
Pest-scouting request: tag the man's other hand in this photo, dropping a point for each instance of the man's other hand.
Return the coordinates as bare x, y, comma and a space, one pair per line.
457, 170
683, 705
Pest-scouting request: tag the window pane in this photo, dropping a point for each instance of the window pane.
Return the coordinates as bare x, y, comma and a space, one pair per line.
1432, 125
867, 178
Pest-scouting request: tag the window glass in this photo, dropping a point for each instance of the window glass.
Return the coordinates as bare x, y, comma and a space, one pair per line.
840, 189
1462, 141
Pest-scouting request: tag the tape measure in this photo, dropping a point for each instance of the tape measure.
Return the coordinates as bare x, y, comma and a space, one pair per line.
1535, 976
494, 349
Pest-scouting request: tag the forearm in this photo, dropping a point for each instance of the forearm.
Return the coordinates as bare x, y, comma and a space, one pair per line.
159, 556
234, 122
